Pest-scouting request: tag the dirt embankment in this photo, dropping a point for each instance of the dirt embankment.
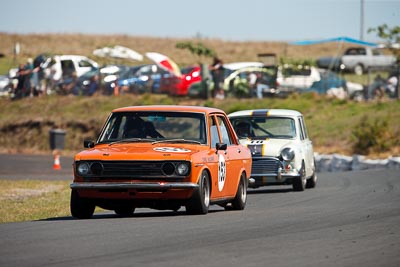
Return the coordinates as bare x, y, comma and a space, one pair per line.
33, 136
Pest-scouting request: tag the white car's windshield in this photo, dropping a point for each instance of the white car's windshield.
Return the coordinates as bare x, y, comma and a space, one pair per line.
264, 127
154, 126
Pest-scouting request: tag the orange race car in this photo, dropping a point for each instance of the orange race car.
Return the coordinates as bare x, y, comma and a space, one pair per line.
161, 157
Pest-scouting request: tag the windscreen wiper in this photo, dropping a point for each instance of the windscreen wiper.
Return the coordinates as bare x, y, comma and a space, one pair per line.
176, 141
133, 140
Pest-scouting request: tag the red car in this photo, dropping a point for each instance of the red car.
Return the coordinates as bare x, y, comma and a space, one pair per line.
179, 85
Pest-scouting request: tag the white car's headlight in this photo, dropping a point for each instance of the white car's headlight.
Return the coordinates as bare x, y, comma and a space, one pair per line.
83, 168
182, 168
287, 154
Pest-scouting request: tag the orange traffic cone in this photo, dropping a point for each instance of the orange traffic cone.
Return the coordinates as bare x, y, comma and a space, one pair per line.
57, 164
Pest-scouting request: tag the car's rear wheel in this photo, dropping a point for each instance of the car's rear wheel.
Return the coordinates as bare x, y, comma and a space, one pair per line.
359, 69
81, 208
239, 202
299, 183
200, 200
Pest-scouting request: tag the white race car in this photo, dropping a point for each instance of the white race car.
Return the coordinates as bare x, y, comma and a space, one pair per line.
281, 150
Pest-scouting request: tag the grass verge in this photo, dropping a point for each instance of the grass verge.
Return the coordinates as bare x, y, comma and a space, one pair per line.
27, 200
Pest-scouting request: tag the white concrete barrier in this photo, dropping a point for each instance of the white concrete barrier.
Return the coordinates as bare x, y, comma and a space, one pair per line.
336, 162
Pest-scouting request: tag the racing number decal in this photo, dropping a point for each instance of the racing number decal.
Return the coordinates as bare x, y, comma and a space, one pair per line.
221, 172
171, 149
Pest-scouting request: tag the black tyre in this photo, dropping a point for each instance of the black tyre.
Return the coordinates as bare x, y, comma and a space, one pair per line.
200, 200
125, 211
358, 96
359, 69
312, 181
299, 183
239, 202
81, 208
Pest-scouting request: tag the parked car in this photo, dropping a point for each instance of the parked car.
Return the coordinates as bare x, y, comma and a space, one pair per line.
161, 157
292, 79
179, 85
281, 149
237, 82
79, 85
5, 86
235, 79
331, 84
141, 79
63, 66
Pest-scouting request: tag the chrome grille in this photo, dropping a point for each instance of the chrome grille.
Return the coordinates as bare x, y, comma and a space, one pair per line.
143, 170
265, 166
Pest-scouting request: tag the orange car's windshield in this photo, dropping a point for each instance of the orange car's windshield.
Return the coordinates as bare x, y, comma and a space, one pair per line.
154, 126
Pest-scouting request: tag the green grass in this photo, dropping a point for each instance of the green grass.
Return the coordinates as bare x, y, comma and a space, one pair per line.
29, 200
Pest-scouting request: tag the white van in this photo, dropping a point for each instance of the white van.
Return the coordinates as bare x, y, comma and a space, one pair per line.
60, 66
64, 65
294, 79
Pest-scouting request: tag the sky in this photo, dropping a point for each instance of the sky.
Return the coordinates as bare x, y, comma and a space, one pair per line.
229, 20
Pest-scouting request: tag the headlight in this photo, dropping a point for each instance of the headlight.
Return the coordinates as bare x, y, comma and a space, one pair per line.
83, 168
287, 154
182, 168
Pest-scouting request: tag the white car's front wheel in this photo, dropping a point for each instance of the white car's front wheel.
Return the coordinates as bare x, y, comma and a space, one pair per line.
299, 183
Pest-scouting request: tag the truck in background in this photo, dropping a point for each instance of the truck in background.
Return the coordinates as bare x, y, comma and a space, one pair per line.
357, 60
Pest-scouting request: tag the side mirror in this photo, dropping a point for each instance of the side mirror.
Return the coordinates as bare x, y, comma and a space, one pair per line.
221, 146
88, 144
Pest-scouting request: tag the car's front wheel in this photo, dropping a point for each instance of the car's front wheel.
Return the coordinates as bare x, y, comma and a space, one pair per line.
299, 183
239, 202
312, 181
200, 200
81, 208
125, 211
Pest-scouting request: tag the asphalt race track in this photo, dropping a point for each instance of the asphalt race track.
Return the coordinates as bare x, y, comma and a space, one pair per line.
350, 219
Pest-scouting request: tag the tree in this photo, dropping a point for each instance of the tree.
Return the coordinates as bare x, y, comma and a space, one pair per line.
392, 37
198, 49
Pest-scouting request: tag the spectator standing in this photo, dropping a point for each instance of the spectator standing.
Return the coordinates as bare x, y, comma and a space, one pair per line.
261, 85
252, 80
20, 90
391, 85
217, 73
94, 85
33, 78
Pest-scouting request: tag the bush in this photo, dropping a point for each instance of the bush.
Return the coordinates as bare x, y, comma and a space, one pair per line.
372, 137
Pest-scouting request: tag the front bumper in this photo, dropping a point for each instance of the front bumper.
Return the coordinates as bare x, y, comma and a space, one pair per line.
271, 171
127, 186
135, 190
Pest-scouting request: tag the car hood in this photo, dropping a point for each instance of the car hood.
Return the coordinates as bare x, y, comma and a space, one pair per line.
164, 62
165, 151
266, 147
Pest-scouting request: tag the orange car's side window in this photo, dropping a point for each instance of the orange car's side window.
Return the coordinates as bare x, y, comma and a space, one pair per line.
226, 138
214, 132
